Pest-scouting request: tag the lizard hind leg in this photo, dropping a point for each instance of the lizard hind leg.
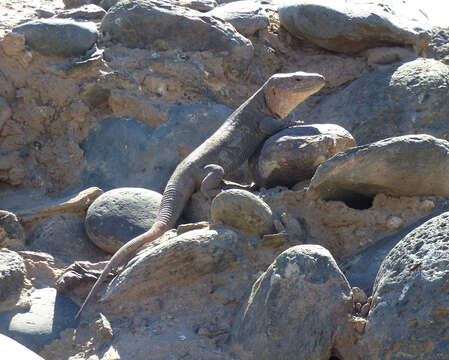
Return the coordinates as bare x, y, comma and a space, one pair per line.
212, 180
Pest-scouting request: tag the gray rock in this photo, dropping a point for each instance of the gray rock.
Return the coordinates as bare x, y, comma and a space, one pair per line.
174, 262
10, 346
354, 26
79, 3
401, 166
161, 25
12, 276
410, 99
50, 313
107, 4
246, 16
11, 231
198, 5
59, 37
292, 155
86, 12
410, 300
5, 111
438, 47
119, 215
242, 210
126, 152
64, 237
299, 305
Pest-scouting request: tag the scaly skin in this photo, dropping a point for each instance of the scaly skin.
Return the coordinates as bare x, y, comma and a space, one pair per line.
224, 151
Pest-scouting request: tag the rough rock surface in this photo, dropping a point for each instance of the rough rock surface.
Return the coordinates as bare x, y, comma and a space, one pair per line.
86, 12
12, 278
59, 37
173, 27
5, 111
292, 155
243, 210
401, 166
64, 237
410, 99
350, 27
119, 215
277, 320
11, 231
438, 47
409, 315
246, 16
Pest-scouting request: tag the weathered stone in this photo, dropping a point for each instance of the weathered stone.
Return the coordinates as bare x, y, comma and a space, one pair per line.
354, 26
199, 5
246, 16
158, 24
12, 277
296, 307
10, 346
410, 99
409, 316
126, 152
59, 37
243, 210
438, 47
78, 3
292, 155
11, 231
401, 166
5, 111
86, 12
174, 262
388, 55
64, 237
119, 215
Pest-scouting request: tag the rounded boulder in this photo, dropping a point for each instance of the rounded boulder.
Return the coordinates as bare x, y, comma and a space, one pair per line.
242, 210
121, 214
292, 155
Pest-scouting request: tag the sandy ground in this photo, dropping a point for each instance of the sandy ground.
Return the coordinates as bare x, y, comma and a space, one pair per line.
13, 12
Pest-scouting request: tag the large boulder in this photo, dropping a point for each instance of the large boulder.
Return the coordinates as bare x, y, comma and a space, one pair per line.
297, 306
407, 165
409, 316
292, 155
246, 16
12, 277
12, 233
126, 152
410, 99
161, 25
119, 215
354, 26
59, 37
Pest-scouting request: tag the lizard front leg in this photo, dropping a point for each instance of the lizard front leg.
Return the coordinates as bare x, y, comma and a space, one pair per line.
212, 180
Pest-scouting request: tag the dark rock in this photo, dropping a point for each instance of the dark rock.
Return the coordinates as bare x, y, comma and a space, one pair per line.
12, 276
63, 236
107, 4
438, 47
121, 214
158, 24
125, 152
79, 3
410, 99
59, 37
292, 155
198, 5
410, 311
10, 346
300, 305
86, 12
351, 27
50, 313
407, 165
11, 231
246, 16
5, 111
243, 210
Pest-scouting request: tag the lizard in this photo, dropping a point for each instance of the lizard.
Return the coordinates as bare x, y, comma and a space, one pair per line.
259, 117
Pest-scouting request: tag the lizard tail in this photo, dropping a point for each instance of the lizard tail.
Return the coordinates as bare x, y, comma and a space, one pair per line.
122, 255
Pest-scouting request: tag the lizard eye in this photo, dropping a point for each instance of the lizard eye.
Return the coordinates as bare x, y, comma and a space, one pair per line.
298, 80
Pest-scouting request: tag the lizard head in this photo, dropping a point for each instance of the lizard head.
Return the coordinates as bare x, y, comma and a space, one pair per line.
283, 92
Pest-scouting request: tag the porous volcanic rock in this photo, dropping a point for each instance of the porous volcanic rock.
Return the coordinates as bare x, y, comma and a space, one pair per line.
350, 27
12, 276
59, 37
242, 210
174, 262
11, 231
292, 155
412, 98
407, 165
119, 215
246, 16
296, 306
161, 25
409, 316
